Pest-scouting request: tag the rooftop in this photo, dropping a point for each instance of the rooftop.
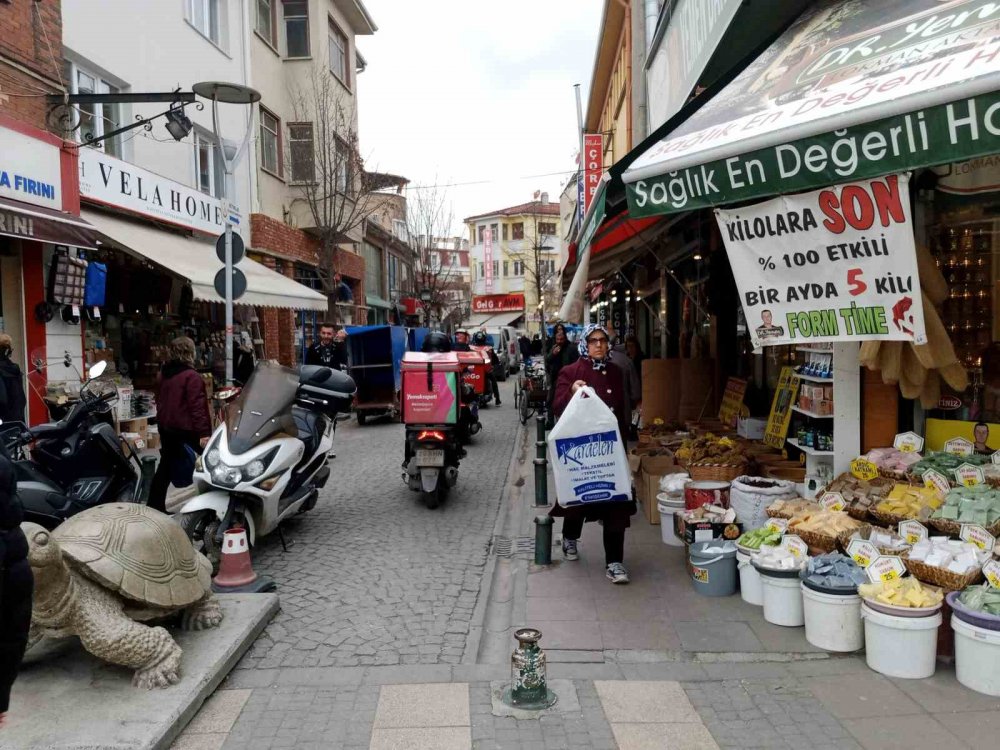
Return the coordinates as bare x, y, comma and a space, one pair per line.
532, 208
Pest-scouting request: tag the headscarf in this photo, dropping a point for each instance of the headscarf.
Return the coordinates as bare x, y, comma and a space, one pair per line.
598, 364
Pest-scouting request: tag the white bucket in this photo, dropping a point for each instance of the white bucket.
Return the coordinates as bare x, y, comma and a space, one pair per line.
901, 646
833, 622
668, 508
750, 587
977, 657
782, 601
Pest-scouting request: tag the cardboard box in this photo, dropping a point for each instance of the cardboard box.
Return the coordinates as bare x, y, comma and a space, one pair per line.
647, 487
705, 531
751, 428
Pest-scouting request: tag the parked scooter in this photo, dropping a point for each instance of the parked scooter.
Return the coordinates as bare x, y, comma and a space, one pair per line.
268, 460
75, 463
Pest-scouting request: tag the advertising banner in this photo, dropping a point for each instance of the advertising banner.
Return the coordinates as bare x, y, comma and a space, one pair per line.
837, 264
593, 161
485, 303
488, 258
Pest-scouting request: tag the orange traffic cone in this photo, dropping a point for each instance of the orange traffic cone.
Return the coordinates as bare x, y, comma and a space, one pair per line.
236, 573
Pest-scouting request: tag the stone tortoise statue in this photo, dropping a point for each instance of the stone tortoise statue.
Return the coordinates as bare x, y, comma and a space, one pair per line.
104, 571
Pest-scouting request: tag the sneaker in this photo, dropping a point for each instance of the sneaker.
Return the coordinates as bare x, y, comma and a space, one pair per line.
569, 549
617, 573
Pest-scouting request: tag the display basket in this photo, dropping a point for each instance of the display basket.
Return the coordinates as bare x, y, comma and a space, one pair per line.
895, 476
701, 471
952, 528
787, 515
890, 520
864, 532
940, 577
917, 481
858, 512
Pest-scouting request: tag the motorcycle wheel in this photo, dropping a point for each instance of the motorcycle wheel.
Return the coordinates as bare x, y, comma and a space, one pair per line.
201, 528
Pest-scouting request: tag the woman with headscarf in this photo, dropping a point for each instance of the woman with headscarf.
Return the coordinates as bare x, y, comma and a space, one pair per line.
595, 370
563, 353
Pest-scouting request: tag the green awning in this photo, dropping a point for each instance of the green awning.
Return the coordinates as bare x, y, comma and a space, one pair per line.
850, 91
373, 300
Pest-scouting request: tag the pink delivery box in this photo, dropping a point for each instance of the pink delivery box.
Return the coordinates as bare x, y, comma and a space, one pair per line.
430, 388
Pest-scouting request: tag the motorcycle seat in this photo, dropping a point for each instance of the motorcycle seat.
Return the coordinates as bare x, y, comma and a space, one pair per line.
310, 426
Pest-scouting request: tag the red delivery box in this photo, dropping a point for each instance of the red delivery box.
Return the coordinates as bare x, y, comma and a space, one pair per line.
430, 388
473, 370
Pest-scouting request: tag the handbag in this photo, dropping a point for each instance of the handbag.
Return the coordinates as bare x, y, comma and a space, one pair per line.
182, 472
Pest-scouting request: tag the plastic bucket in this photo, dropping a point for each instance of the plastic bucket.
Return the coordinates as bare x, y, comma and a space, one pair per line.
901, 646
833, 621
782, 601
977, 656
750, 587
712, 573
706, 492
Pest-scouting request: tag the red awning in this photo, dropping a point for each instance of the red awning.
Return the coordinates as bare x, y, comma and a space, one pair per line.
27, 222
612, 232
411, 305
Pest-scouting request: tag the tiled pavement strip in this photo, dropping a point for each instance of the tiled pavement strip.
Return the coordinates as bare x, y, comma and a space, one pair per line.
652, 665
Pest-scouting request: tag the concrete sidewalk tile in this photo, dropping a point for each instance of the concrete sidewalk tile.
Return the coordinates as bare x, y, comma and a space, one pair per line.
320, 676
663, 737
571, 636
564, 608
627, 702
745, 670
627, 635
251, 678
414, 673
201, 741
859, 696
978, 729
219, 712
943, 693
687, 671
542, 584
584, 671
779, 639
427, 705
888, 732
717, 636
832, 666
438, 738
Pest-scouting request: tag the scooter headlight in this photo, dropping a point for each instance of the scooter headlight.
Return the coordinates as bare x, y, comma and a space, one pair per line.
228, 476
254, 469
212, 458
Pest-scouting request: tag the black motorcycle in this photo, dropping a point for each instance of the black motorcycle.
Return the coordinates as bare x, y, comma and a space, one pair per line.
75, 463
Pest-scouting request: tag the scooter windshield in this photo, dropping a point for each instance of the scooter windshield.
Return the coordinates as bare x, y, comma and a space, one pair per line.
264, 407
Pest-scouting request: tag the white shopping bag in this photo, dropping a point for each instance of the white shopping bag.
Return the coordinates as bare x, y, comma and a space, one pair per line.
587, 454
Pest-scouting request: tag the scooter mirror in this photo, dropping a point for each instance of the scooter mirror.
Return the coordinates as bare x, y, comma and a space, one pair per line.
97, 369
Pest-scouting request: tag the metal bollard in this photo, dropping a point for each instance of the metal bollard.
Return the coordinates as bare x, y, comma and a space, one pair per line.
541, 464
543, 540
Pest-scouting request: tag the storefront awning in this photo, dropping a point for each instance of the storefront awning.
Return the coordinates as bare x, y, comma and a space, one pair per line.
373, 300
494, 320
195, 261
849, 91
27, 222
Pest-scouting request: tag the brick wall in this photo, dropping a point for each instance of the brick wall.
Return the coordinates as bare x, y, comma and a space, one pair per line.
276, 236
26, 26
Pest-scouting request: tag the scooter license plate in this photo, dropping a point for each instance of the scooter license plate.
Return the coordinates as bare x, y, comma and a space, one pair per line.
430, 458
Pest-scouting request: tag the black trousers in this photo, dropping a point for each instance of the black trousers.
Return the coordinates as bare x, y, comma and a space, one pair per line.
495, 386
172, 444
614, 539
16, 585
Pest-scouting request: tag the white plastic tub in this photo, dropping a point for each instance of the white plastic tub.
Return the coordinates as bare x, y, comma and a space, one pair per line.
977, 657
782, 601
750, 587
833, 621
668, 507
901, 646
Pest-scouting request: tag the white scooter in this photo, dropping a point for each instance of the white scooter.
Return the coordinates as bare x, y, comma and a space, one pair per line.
268, 460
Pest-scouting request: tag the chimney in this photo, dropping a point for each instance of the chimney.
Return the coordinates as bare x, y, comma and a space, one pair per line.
545, 197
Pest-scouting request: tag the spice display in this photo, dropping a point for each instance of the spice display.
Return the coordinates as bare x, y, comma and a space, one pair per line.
902, 592
830, 523
759, 537
711, 448
982, 598
979, 504
906, 502
833, 571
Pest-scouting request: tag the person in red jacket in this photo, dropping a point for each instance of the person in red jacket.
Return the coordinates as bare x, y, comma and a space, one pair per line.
182, 415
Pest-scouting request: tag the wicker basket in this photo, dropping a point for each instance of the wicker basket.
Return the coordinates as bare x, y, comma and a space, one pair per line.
865, 531
701, 471
857, 512
892, 520
952, 528
771, 513
939, 576
815, 541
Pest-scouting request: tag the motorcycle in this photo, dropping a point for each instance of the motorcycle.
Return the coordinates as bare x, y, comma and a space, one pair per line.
75, 463
433, 453
269, 459
484, 391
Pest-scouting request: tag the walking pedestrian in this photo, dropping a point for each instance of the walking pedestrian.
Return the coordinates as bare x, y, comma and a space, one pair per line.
12, 398
595, 369
16, 584
183, 417
562, 353
480, 339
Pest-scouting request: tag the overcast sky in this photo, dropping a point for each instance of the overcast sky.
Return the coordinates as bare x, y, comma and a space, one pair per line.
460, 91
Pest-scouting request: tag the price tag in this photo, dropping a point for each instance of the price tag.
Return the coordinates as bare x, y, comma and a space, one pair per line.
968, 475
833, 501
937, 481
959, 447
992, 572
76, 311
912, 531
979, 536
862, 468
885, 568
862, 552
777, 524
908, 442
995, 458
795, 545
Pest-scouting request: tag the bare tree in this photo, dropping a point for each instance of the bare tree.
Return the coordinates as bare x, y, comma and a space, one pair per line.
537, 254
326, 169
429, 218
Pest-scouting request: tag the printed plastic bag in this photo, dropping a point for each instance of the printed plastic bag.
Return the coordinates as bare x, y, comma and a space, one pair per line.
587, 454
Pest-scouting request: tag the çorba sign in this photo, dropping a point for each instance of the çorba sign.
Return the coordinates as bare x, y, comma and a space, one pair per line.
498, 303
113, 182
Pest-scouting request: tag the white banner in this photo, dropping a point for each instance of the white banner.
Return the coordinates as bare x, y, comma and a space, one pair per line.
837, 264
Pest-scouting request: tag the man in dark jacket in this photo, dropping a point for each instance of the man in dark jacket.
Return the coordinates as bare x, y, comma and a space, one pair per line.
330, 350
481, 339
12, 398
16, 584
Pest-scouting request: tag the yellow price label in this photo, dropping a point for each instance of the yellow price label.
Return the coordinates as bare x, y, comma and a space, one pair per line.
862, 468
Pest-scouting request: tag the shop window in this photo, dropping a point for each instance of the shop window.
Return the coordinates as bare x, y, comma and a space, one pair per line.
517, 230
208, 166
270, 143
96, 119
338, 54
208, 18
307, 276
264, 22
296, 15
546, 228
503, 232
301, 151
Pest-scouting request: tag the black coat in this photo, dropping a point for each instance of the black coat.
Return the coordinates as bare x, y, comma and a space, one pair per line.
329, 355
16, 583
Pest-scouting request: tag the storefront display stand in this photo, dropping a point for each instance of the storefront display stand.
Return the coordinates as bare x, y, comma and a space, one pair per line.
807, 450
800, 410
813, 378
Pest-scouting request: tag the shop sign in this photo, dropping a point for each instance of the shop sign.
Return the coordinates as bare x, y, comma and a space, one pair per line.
593, 166
977, 535
908, 442
968, 475
992, 572
837, 264
795, 545
959, 447
113, 182
732, 401
781, 408
885, 568
937, 481
833, 501
862, 552
798, 116
29, 170
488, 259
497, 303
912, 531
862, 468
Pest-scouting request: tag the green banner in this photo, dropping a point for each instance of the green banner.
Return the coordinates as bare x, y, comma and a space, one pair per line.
941, 134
